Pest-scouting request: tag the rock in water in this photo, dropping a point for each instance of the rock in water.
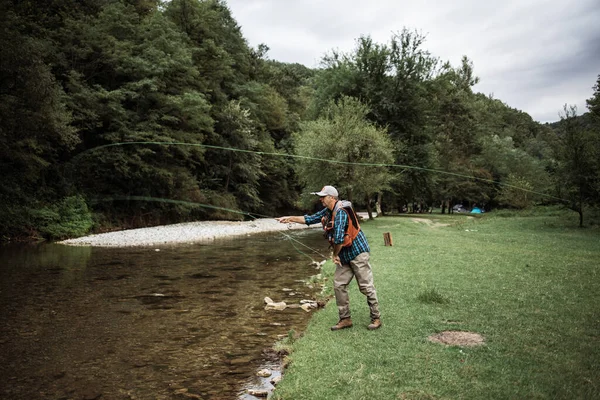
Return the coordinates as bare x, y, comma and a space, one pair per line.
258, 393
276, 380
276, 306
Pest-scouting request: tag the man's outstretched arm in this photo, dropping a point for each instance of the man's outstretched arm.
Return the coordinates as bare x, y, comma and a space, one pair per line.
299, 219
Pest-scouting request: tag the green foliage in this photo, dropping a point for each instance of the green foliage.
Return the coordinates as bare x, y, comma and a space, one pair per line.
239, 172
344, 136
35, 126
68, 218
516, 192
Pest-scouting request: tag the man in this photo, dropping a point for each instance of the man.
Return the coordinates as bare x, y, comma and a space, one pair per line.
351, 259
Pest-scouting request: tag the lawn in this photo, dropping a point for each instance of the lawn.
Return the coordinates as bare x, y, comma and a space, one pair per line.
529, 284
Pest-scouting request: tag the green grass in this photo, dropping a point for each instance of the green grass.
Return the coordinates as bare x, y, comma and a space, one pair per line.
530, 285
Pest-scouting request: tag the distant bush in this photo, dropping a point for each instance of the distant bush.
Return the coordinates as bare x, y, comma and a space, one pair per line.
68, 218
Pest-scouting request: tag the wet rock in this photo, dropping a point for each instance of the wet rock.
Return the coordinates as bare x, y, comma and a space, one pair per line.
271, 305
258, 392
276, 306
306, 307
276, 380
264, 373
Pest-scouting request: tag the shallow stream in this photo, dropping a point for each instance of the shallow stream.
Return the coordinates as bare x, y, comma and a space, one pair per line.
169, 322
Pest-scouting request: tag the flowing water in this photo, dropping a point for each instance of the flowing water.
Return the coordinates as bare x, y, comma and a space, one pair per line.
137, 323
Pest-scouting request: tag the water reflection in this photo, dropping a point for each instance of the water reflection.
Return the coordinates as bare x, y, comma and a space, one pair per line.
182, 322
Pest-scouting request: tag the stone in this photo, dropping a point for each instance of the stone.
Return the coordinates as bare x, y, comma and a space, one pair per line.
276, 380
264, 373
306, 307
276, 306
258, 393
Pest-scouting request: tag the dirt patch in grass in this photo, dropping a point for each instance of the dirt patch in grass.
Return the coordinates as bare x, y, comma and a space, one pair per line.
429, 222
457, 338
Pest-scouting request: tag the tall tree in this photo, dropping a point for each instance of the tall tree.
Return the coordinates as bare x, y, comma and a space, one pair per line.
577, 172
453, 126
333, 146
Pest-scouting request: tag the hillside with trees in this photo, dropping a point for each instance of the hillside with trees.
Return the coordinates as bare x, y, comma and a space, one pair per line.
128, 113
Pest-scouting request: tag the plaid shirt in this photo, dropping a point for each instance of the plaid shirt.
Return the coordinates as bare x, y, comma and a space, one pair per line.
359, 244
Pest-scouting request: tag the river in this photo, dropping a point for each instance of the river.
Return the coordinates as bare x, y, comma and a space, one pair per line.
168, 322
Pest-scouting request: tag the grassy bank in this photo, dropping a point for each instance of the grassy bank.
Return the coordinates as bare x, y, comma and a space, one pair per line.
530, 285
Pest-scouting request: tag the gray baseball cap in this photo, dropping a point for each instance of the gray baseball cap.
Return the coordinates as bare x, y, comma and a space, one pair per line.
327, 191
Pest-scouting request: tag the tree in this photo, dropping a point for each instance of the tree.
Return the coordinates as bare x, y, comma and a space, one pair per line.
333, 146
593, 103
35, 124
577, 173
453, 126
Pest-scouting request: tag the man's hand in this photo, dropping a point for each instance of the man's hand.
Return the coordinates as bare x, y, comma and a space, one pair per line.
288, 219
336, 260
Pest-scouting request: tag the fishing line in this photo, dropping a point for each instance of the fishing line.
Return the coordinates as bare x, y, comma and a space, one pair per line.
308, 247
180, 202
267, 153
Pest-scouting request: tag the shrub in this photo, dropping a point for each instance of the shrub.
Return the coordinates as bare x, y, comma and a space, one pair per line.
68, 218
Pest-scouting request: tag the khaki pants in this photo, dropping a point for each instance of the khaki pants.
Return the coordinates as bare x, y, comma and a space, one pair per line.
360, 268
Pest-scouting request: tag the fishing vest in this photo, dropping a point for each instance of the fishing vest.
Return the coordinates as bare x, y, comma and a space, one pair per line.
351, 230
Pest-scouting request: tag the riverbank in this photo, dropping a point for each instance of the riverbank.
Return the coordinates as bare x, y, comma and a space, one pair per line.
189, 232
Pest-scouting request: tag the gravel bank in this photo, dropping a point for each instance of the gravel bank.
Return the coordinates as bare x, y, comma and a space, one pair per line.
190, 232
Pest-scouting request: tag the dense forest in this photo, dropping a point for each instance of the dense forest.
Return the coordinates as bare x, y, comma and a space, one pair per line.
127, 113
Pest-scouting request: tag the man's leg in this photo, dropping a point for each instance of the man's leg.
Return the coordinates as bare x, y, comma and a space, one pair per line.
364, 277
341, 280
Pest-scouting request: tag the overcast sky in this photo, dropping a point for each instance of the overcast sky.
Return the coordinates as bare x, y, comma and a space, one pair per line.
534, 55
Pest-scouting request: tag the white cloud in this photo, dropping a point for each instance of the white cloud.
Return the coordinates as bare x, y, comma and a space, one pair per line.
535, 55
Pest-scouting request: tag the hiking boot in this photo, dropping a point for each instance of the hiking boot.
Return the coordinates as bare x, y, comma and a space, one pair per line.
375, 324
342, 324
